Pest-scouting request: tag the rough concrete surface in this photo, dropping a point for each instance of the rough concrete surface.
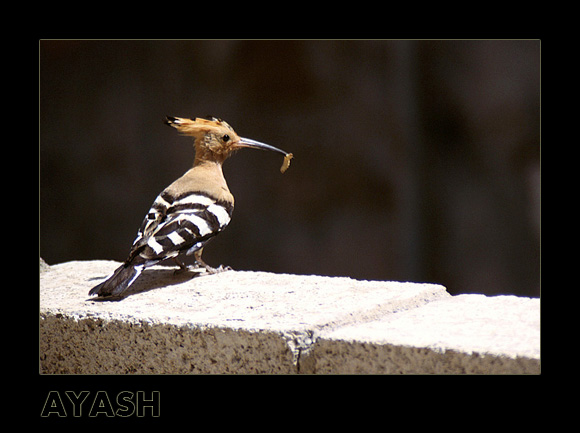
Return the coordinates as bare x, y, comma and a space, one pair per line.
502, 335
258, 322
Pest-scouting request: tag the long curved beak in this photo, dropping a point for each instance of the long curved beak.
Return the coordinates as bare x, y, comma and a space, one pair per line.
247, 142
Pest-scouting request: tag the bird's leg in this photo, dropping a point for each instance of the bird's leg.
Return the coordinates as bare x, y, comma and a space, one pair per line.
208, 268
182, 267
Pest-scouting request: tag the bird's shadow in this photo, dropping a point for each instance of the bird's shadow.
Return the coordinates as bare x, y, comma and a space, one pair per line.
151, 279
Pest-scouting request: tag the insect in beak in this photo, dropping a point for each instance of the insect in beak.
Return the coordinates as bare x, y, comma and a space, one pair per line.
247, 142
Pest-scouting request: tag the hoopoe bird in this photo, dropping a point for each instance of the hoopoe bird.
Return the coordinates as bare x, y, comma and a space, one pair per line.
192, 210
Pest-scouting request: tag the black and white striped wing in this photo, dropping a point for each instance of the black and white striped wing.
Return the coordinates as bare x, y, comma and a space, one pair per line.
179, 224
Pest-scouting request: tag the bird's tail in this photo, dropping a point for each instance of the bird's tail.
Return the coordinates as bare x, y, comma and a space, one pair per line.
118, 282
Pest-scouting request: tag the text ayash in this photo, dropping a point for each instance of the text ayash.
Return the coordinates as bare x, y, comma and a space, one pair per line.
99, 403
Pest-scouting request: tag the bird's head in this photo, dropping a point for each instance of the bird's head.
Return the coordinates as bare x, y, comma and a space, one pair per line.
215, 140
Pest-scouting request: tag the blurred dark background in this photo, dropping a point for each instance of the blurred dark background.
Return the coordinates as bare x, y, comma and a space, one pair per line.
414, 160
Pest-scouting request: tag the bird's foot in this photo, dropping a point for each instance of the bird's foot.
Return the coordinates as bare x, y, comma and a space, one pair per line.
184, 268
220, 268
194, 269
199, 268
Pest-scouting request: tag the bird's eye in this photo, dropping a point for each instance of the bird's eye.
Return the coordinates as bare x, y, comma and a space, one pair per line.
226, 138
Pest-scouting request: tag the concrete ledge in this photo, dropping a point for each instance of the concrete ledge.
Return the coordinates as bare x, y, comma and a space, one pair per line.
258, 322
